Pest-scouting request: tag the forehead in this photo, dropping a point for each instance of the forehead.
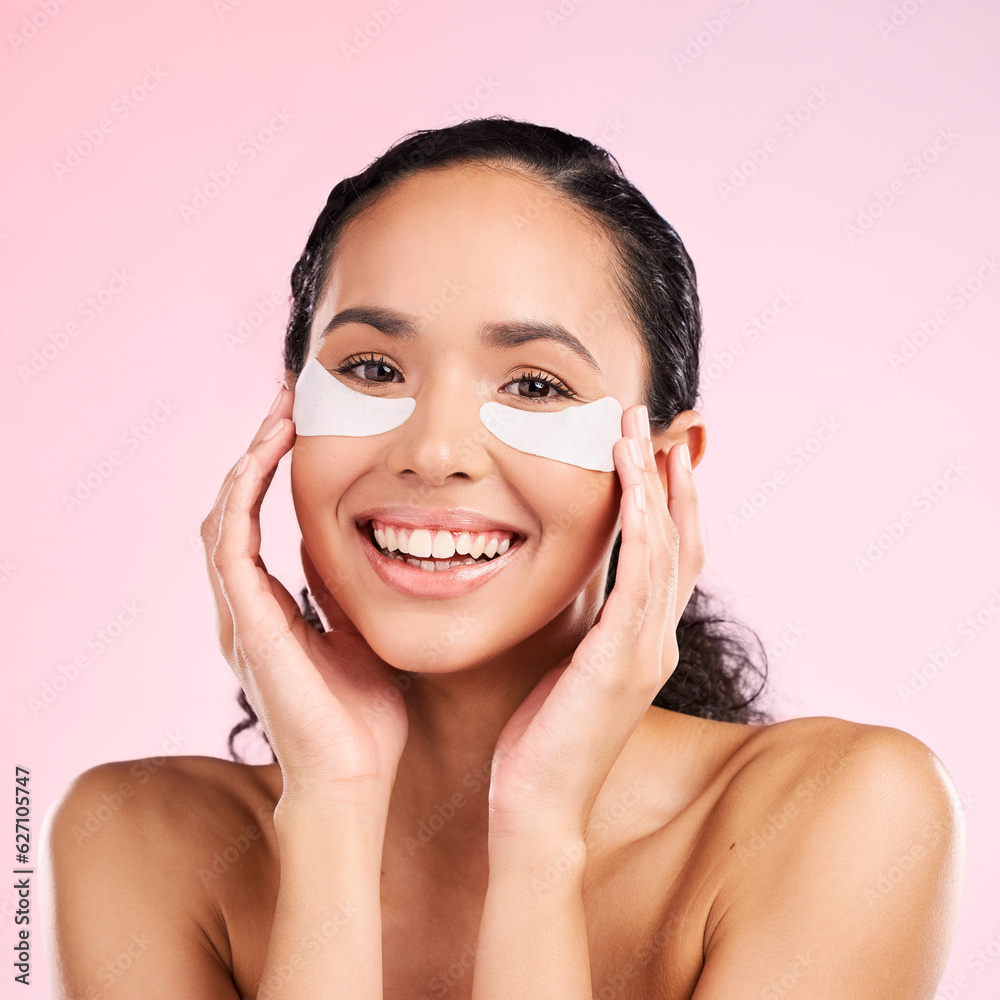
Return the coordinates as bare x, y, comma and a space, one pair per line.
462, 245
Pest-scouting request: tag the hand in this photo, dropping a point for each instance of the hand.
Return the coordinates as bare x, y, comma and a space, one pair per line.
329, 705
558, 747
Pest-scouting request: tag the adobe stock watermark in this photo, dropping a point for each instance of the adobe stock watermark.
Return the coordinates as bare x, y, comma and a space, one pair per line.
902, 864
642, 955
779, 648
531, 211
485, 88
440, 983
131, 440
100, 640
226, 8
248, 324
957, 298
898, 17
778, 988
458, 627
112, 970
778, 819
122, 107
31, 24
611, 815
247, 152
912, 170
365, 34
796, 459
113, 802
977, 962
87, 310
895, 529
444, 812
236, 847
568, 862
715, 365
712, 28
274, 986
786, 127
7, 569
937, 661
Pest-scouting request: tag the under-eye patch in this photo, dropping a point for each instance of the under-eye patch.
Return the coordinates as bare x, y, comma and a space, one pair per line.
578, 435
583, 436
324, 405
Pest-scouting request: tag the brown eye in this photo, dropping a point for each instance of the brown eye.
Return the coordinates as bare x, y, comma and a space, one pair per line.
540, 383
374, 369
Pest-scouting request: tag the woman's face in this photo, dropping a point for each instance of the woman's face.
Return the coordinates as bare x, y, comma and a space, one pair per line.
446, 254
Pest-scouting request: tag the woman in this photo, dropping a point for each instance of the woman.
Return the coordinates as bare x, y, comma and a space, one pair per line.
473, 793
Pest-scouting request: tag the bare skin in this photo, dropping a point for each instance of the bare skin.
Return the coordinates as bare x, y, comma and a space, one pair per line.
658, 855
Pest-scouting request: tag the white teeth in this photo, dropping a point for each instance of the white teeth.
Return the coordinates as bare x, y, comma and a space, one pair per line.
420, 542
424, 544
443, 546
428, 565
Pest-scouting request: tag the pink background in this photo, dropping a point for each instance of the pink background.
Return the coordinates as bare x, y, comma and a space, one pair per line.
608, 71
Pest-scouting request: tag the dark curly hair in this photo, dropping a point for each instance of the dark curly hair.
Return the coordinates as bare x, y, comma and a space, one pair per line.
656, 278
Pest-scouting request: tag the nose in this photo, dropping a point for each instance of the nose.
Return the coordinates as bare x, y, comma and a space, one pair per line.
443, 437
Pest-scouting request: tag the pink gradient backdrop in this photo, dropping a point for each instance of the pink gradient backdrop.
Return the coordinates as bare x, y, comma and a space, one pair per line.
606, 71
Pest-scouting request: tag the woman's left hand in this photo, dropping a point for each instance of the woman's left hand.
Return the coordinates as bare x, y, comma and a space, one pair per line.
558, 747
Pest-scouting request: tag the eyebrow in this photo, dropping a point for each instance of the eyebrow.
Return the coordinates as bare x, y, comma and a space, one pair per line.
497, 335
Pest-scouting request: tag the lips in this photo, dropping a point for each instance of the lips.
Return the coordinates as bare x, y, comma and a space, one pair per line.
432, 582
455, 519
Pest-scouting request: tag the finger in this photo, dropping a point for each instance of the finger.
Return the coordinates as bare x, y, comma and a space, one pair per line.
685, 514
281, 409
663, 532
625, 613
651, 559
245, 586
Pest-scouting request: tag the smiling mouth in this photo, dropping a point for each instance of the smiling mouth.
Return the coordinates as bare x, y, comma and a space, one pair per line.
432, 564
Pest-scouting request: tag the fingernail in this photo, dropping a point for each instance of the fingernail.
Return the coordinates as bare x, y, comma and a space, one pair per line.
242, 464
643, 421
277, 400
686, 456
636, 455
280, 425
640, 496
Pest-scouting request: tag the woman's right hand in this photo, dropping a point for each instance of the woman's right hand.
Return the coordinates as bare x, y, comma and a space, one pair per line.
332, 709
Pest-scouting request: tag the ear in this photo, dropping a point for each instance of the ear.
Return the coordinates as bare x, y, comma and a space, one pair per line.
688, 427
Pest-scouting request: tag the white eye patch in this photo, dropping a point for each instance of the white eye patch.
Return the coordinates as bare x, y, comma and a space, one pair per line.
583, 436
324, 405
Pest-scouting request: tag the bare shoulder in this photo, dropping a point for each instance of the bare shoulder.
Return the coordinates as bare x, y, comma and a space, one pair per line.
840, 847
135, 849
794, 760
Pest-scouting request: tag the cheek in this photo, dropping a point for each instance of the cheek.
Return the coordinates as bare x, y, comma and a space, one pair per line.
578, 512
322, 471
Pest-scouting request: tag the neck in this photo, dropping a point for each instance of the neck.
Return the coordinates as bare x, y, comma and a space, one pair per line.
438, 820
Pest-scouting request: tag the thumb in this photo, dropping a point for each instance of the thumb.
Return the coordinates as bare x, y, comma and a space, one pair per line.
332, 613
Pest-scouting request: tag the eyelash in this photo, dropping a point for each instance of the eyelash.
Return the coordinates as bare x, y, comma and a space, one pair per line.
560, 387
